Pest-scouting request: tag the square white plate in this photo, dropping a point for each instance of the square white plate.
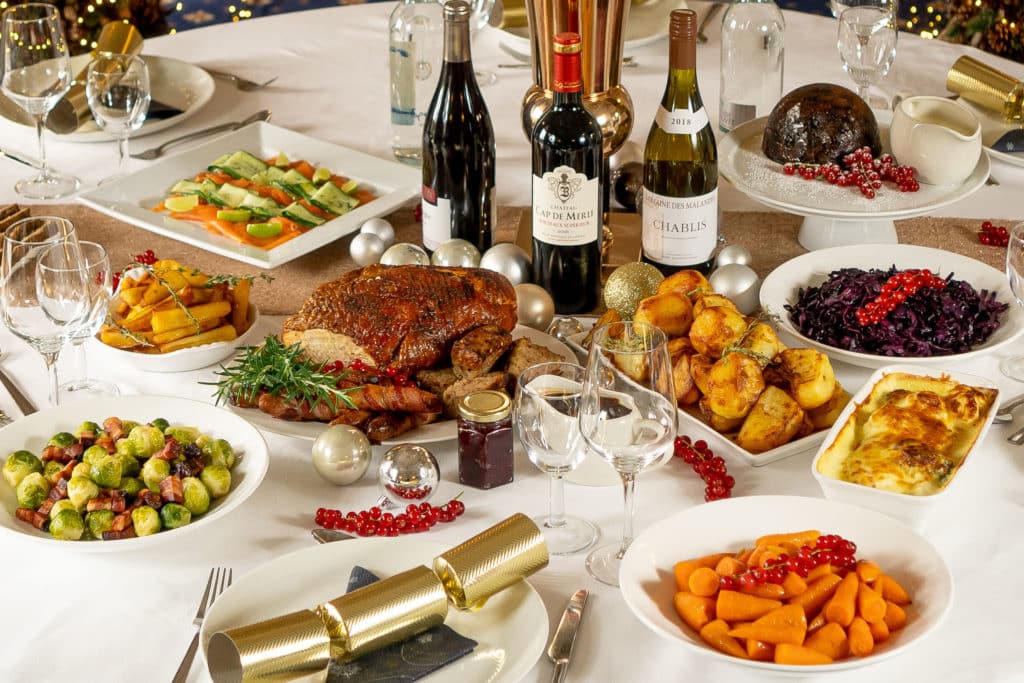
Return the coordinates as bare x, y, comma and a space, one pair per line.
132, 197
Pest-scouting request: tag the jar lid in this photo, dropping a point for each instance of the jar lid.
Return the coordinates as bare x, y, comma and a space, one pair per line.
486, 405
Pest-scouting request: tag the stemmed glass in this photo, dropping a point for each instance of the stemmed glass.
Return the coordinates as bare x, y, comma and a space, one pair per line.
838, 6
36, 75
96, 264
867, 44
627, 416
43, 293
1014, 367
117, 87
480, 17
547, 416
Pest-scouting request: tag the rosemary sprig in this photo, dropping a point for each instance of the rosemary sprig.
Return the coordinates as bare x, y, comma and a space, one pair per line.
279, 369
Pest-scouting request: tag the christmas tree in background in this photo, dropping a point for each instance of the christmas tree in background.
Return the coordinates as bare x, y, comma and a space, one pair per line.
83, 20
992, 26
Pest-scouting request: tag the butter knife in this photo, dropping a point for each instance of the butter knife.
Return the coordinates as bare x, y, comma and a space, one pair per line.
20, 399
1010, 142
560, 650
329, 535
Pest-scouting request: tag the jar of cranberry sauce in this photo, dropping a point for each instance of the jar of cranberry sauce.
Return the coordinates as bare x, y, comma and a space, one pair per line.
485, 439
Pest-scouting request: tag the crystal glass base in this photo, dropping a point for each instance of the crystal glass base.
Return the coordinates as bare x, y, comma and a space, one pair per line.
572, 536
603, 564
485, 78
1013, 368
49, 186
87, 388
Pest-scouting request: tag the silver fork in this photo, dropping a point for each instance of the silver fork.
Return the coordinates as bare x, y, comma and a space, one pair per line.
243, 84
220, 578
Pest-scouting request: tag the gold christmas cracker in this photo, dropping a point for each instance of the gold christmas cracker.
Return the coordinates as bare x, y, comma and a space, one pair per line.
278, 649
385, 612
990, 88
491, 561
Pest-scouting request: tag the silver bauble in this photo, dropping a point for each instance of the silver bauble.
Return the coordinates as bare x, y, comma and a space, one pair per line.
456, 253
510, 260
739, 283
629, 152
381, 228
341, 454
564, 328
535, 306
405, 254
407, 474
366, 248
734, 253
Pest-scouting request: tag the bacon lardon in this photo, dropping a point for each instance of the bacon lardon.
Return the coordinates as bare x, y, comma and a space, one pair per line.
121, 522
114, 502
114, 427
127, 532
171, 490
150, 498
64, 473
36, 519
170, 451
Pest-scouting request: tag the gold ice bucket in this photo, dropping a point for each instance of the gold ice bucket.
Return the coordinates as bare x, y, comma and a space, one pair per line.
601, 25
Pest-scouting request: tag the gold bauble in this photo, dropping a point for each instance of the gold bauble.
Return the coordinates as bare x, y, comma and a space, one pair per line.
629, 284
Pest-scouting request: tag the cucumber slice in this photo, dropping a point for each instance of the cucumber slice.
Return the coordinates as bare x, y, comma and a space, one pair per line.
274, 173
211, 193
232, 195
330, 198
263, 229
321, 175
187, 187
181, 202
281, 160
241, 164
234, 215
301, 215
350, 186
261, 207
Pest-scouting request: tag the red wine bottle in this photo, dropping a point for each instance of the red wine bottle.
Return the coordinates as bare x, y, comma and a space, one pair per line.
568, 186
458, 146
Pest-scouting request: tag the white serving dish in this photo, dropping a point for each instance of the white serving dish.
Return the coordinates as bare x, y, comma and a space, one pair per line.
648, 584
33, 431
912, 510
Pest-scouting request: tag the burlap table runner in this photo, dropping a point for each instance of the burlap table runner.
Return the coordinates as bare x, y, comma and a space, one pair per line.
770, 236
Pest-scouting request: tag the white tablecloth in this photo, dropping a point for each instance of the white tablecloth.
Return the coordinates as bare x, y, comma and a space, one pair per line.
122, 616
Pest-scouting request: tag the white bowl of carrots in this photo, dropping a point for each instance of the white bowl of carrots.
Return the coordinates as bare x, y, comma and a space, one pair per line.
839, 615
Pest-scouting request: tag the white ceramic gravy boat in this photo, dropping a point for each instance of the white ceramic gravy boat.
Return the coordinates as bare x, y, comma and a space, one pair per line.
937, 136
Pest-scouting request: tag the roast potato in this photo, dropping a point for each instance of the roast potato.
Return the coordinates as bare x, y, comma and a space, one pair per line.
682, 379
734, 383
700, 370
825, 415
671, 311
762, 340
686, 282
609, 316
810, 374
773, 421
678, 346
720, 424
703, 301
716, 328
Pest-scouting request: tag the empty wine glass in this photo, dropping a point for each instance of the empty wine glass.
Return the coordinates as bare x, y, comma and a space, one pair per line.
36, 75
480, 17
117, 87
43, 293
837, 6
867, 45
627, 416
1014, 367
547, 416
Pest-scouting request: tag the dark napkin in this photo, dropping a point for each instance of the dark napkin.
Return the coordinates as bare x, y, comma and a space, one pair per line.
161, 110
401, 662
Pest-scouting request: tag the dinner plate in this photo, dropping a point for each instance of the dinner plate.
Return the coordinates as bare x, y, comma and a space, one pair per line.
173, 82
429, 433
33, 431
742, 163
648, 584
782, 286
993, 126
132, 197
511, 629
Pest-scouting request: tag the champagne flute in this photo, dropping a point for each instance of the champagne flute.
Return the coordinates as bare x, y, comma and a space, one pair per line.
36, 75
867, 45
43, 294
627, 416
98, 283
117, 87
1014, 367
547, 417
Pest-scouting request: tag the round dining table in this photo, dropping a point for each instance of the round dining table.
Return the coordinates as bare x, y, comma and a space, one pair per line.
127, 616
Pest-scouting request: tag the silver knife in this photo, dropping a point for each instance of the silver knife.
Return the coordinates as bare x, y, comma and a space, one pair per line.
24, 405
329, 535
18, 158
1010, 142
560, 650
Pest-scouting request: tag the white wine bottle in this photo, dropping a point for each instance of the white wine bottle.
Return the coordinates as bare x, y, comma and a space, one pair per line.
680, 186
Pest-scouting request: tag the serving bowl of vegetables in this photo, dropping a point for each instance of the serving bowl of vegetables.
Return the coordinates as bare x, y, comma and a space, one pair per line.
125, 472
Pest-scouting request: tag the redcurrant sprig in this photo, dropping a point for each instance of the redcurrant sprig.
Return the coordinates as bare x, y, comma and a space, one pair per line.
830, 549
996, 236
862, 169
895, 291
377, 522
710, 467
146, 258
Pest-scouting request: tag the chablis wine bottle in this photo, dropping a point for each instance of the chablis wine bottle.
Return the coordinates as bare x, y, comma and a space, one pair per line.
458, 146
568, 181
680, 195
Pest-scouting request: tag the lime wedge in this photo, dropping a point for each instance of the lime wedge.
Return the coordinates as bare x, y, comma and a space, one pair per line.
321, 175
181, 202
350, 186
281, 160
263, 229
234, 215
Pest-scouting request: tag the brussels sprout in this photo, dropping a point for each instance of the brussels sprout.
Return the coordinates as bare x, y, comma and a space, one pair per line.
81, 490
67, 525
154, 472
50, 468
130, 467
106, 471
94, 453
174, 515
145, 440
99, 521
128, 425
146, 520
131, 486
197, 497
184, 435
62, 439
19, 465
82, 469
63, 504
217, 480
204, 441
160, 423
123, 447
32, 490
87, 426
219, 452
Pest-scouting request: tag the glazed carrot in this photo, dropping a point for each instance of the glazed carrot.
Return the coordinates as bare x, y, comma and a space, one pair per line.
818, 572
716, 634
744, 555
773, 591
304, 167
868, 571
786, 624
842, 606
816, 623
817, 594
736, 606
793, 585
879, 631
729, 566
829, 640
891, 590
861, 642
797, 538
703, 581
682, 570
759, 651
694, 610
795, 654
895, 616
870, 604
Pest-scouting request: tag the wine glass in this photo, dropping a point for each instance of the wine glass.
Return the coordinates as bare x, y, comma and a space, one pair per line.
867, 44
117, 87
98, 282
1014, 367
838, 6
547, 416
43, 294
479, 18
36, 75
627, 416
